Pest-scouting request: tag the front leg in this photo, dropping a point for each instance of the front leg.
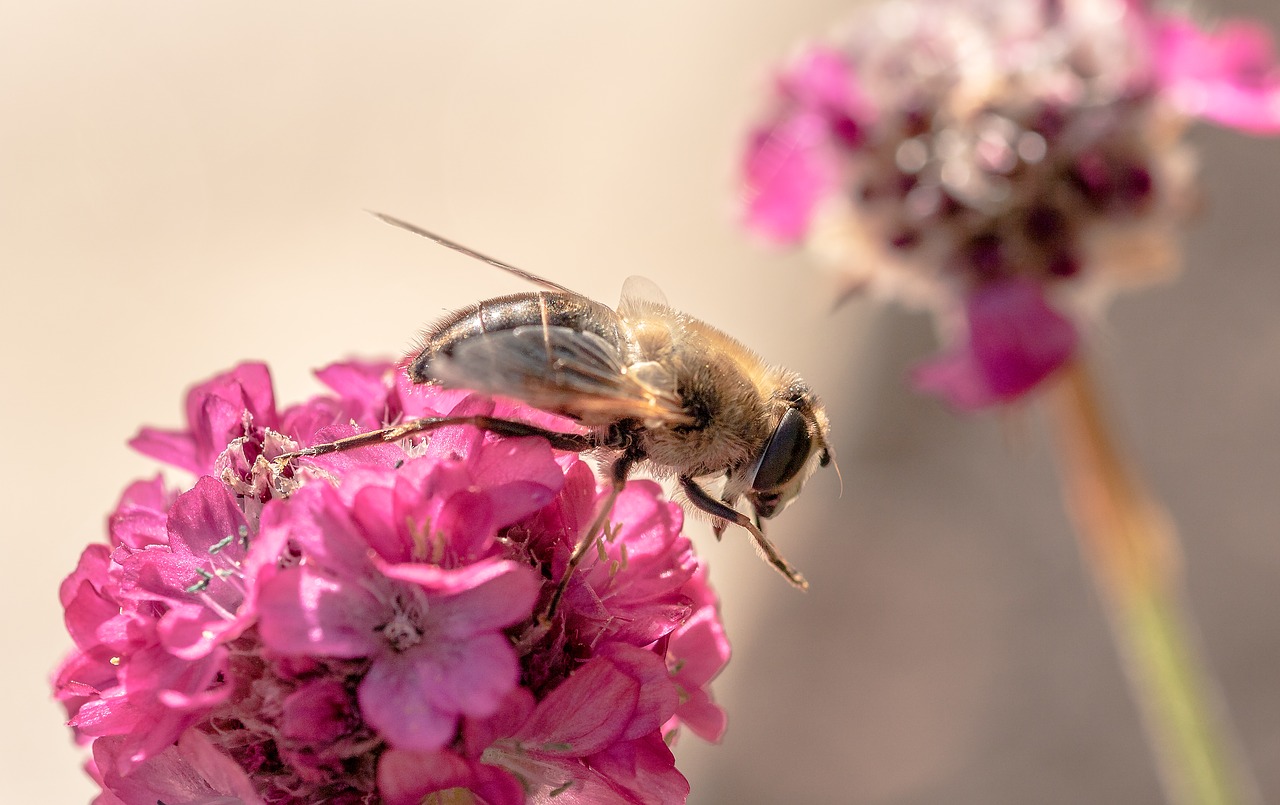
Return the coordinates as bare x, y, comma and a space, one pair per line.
570, 442
699, 498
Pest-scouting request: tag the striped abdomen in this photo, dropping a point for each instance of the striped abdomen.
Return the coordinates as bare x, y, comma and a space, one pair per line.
538, 308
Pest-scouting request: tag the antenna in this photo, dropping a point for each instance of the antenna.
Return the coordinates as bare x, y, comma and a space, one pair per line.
458, 247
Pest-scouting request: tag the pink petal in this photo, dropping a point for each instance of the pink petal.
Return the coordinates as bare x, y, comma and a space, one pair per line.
1016, 337
467, 522
703, 716
316, 519
138, 709
372, 509
363, 389
512, 713
396, 699
787, 171
246, 387
406, 778
484, 596
158, 574
83, 676
220, 422
461, 441
658, 695
954, 377
464, 665
520, 474
95, 560
701, 648
204, 517
700, 593
192, 772
318, 712
475, 674
206, 530
1229, 75
304, 612
645, 768
585, 713
304, 422
1016, 340
190, 631
94, 620
822, 78
639, 600
172, 447
790, 164
382, 455
141, 516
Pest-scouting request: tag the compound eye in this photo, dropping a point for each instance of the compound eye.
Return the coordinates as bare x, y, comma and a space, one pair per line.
786, 453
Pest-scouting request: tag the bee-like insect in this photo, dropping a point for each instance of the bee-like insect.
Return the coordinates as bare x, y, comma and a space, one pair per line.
654, 389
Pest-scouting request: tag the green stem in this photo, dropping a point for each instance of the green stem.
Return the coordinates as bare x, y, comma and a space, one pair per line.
1131, 549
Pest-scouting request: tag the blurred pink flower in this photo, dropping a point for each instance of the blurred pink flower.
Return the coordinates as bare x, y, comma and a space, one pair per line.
366, 625
1006, 165
1015, 340
1228, 75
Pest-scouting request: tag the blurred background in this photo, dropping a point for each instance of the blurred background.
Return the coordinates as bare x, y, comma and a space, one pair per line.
182, 186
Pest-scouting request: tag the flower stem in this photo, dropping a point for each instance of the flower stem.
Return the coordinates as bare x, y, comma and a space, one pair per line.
1129, 544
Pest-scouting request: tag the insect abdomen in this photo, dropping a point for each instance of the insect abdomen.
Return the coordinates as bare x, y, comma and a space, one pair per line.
546, 308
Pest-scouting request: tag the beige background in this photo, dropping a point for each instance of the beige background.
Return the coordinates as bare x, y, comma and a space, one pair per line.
181, 186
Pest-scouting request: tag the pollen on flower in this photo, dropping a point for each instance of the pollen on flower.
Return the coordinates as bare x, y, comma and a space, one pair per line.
403, 631
1024, 143
371, 626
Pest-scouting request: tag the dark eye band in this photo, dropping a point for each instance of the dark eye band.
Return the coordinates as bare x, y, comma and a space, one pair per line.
786, 453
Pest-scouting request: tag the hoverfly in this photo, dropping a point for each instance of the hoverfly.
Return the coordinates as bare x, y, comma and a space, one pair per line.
654, 389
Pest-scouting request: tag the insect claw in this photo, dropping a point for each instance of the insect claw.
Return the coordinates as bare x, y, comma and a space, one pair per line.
770, 553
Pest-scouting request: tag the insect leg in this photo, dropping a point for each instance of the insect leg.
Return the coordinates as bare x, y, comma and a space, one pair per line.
618, 475
572, 442
699, 497
718, 526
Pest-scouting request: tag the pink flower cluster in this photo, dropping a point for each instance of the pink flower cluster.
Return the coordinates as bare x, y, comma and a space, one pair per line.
370, 626
1005, 165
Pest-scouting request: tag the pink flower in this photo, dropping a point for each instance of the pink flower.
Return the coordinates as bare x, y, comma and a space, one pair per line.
220, 410
633, 589
1015, 340
632, 603
371, 626
595, 738
190, 771
433, 636
954, 153
696, 653
792, 162
1228, 75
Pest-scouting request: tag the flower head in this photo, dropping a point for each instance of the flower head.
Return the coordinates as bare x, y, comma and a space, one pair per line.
370, 626
1003, 164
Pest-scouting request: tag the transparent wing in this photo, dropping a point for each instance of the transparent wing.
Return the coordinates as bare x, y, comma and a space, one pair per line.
562, 370
640, 294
